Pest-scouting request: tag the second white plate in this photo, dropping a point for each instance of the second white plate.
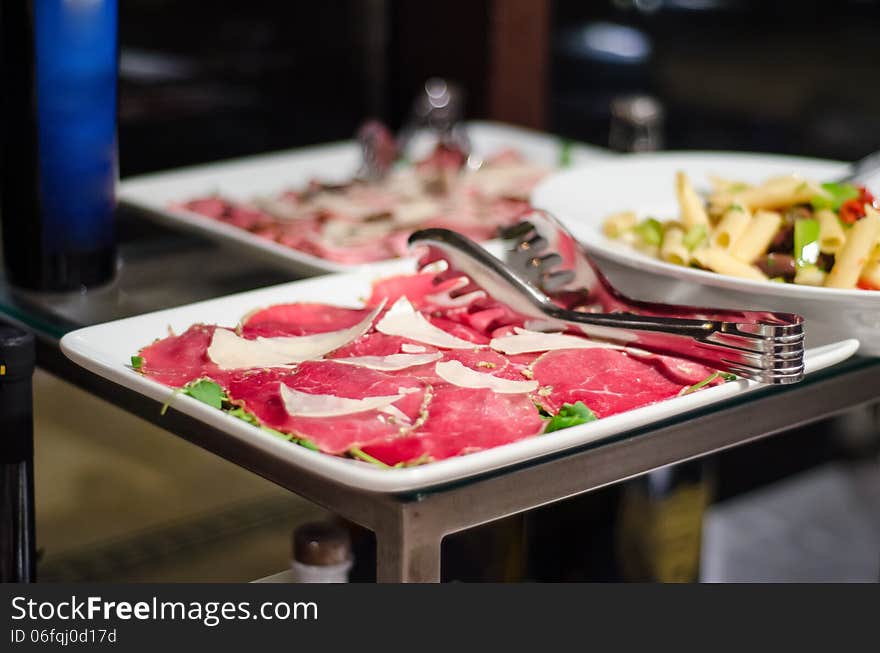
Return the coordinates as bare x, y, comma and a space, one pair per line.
582, 198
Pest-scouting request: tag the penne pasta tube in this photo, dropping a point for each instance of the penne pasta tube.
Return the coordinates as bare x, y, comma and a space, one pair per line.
856, 251
831, 233
810, 275
870, 276
757, 236
721, 261
692, 210
673, 249
617, 224
772, 194
722, 185
732, 225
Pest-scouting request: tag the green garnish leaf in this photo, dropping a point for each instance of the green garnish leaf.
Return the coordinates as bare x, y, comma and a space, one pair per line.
736, 207
244, 415
206, 391
727, 376
837, 195
137, 362
565, 152
360, 455
170, 399
570, 415
695, 236
247, 416
806, 242
650, 231
308, 444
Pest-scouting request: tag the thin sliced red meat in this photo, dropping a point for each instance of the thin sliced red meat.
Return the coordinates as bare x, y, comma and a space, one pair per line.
417, 288
484, 361
376, 344
299, 320
460, 421
608, 381
459, 330
679, 370
177, 360
259, 392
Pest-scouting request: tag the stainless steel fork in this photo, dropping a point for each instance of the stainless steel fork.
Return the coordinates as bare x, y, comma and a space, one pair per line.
763, 346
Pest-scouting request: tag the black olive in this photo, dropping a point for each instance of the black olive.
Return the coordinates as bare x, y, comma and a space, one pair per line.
777, 265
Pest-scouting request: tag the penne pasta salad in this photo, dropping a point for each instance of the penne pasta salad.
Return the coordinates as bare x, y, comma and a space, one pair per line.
787, 229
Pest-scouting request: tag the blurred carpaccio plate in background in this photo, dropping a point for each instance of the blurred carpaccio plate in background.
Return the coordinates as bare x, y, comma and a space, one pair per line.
235, 190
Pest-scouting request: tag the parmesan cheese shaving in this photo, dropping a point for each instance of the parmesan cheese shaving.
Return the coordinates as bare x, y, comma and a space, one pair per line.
409, 348
390, 363
303, 404
403, 320
457, 374
397, 414
230, 351
525, 341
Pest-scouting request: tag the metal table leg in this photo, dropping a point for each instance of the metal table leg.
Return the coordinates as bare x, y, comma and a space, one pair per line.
407, 551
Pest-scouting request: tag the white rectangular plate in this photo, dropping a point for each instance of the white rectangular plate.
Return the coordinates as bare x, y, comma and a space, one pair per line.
106, 350
243, 179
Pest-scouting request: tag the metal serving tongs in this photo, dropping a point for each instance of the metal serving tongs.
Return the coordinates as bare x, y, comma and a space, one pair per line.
761, 346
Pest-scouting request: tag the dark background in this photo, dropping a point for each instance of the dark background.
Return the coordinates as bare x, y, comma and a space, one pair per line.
204, 81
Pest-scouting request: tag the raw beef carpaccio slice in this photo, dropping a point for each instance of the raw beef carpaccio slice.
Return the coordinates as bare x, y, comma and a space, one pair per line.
607, 380
300, 319
178, 360
378, 344
407, 409
417, 288
679, 370
259, 392
463, 420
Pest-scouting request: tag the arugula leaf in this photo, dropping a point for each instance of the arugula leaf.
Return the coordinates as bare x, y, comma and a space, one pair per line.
694, 236
137, 362
565, 148
415, 462
570, 415
838, 194
650, 231
247, 416
727, 376
206, 391
244, 415
170, 399
308, 444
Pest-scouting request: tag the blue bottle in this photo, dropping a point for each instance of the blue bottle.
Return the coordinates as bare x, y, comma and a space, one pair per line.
59, 142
